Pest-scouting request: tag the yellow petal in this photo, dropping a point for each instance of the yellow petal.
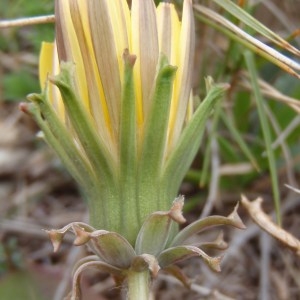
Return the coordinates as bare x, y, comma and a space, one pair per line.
183, 80
45, 62
48, 65
120, 18
102, 32
68, 47
96, 97
145, 47
190, 108
168, 31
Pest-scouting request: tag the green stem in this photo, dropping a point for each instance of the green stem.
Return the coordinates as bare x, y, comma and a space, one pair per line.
138, 284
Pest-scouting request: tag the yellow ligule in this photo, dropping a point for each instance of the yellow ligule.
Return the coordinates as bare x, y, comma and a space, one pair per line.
97, 101
73, 51
49, 66
183, 77
145, 47
101, 28
45, 62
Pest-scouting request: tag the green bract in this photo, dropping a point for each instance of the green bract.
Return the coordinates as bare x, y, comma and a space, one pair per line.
120, 196
155, 247
117, 105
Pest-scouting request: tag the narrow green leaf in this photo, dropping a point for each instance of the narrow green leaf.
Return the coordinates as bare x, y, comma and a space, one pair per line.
95, 149
108, 213
59, 139
236, 135
265, 129
155, 139
212, 133
204, 176
184, 152
128, 150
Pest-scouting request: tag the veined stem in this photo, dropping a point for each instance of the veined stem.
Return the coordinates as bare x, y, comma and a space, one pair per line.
138, 284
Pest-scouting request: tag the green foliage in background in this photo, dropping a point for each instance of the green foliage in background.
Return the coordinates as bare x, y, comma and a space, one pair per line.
18, 285
22, 46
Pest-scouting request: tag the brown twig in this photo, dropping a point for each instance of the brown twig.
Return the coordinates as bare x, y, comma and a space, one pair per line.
27, 21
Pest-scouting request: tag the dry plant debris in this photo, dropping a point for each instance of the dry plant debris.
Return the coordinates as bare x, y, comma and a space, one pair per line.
264, 221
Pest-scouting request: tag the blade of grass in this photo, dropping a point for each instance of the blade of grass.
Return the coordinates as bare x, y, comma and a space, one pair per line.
254, 24
265, 129
243, 146
207, 155
205, 165
232, 31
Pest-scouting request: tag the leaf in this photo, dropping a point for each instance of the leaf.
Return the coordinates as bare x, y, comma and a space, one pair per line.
128, 147
263, 221
94, 147
59, 138
188, 144
155, 137
237, 136
265, 129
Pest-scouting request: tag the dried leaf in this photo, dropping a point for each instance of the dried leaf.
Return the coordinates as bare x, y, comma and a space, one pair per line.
263, 220
176, 210
56, 235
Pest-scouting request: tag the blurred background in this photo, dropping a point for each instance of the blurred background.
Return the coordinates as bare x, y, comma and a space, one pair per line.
37, 193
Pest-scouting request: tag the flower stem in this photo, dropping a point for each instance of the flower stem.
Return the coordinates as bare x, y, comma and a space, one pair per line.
138, 285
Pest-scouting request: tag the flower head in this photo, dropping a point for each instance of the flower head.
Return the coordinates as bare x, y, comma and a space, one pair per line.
94, 35
117, 106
